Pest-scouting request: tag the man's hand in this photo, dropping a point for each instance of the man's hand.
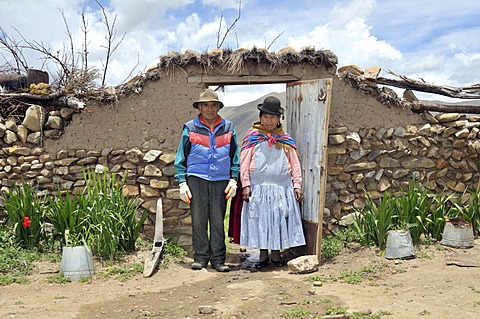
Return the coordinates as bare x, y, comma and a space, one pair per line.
231, 189
185, 194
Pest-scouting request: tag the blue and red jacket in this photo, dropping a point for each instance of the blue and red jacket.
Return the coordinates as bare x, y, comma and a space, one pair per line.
208, 154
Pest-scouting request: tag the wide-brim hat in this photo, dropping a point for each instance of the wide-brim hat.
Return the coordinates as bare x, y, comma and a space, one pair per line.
271, 105
208, 95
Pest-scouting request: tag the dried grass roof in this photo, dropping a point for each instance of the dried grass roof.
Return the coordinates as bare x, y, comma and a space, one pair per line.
235, 60
384, 95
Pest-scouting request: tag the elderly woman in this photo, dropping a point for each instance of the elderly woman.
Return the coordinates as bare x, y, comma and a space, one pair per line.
272, 187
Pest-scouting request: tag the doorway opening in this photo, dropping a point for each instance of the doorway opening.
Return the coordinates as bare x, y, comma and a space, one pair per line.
306, 119
241, 103
236, 95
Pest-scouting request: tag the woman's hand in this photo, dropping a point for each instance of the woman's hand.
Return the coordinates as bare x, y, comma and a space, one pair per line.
298, 194
246, 193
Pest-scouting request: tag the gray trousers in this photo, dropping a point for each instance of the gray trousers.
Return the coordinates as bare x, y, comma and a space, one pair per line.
208, 207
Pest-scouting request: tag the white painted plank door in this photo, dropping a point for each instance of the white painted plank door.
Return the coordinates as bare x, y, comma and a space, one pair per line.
307, 114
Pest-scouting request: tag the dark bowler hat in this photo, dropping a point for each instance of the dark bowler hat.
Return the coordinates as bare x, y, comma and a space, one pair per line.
208, 95
271, 105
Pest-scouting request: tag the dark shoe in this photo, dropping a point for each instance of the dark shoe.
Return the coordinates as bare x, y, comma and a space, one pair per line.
196, 265
279, 263
262, 264
221, 268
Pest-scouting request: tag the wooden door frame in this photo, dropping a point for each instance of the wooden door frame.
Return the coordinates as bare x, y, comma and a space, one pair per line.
309, 225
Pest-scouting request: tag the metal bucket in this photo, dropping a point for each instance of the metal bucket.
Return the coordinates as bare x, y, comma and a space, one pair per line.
399, 245
458, 235
77, 262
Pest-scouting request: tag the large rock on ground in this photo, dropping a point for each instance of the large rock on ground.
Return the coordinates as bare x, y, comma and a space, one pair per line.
304, 264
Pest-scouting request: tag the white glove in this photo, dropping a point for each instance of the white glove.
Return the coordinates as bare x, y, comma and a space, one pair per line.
185, 194
231, 189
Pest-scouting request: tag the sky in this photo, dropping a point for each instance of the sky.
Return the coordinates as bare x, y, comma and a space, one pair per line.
434, 40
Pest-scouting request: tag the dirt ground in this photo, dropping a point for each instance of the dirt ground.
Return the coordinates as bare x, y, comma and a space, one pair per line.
441, 282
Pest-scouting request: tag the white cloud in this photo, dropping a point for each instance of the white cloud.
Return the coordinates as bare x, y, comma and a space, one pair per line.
357, 45
194, 35
468, 59
146, 15
410, 37
428, 63
343, 13
235, 95
224, 4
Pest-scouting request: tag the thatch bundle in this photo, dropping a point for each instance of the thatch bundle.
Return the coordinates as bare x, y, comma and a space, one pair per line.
384, 94
235, 60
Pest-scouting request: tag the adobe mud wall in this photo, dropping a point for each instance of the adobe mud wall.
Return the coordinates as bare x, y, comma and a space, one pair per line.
151, 119
354, 109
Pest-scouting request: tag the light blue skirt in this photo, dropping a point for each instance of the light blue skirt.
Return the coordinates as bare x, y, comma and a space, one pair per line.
271, 219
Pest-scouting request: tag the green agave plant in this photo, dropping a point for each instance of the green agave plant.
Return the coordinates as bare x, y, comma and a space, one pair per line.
412, 210
416, 210
100, 216
373, 222
26, 214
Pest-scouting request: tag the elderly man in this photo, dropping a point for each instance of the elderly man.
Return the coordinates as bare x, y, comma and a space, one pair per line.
207, 164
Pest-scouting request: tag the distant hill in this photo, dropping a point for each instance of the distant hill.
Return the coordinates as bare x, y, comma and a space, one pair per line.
244, 115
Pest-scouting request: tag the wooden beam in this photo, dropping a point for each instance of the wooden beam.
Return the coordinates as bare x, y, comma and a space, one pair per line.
469, 92
247, 79
445, 108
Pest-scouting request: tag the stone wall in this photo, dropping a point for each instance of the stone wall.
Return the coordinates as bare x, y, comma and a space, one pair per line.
149, 172
134, 131
372, 147
442, 155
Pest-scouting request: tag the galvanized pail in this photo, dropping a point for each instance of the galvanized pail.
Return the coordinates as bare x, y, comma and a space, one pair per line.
399, 245
77, 262
458, 235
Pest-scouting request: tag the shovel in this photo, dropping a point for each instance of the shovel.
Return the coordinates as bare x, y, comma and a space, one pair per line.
152, 260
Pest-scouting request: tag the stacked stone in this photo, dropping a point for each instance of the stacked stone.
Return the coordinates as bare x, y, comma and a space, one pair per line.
37, 124
442, 155
149, 175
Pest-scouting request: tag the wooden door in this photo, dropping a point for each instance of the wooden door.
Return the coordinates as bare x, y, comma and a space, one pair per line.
307, 113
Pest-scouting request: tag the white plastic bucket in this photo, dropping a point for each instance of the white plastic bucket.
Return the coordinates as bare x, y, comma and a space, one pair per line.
399, 245
77, 262
458, 236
